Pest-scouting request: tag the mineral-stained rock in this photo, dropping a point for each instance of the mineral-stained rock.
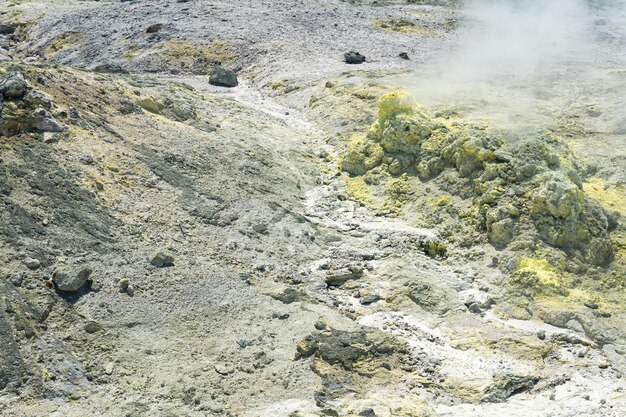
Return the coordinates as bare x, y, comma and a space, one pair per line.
405, 138
13, 86
505, 385
27, 110
557, 196
345, 349
71, 279
338, 277
41, 121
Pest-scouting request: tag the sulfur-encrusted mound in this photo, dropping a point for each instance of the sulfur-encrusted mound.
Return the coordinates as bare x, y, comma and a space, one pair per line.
521, 191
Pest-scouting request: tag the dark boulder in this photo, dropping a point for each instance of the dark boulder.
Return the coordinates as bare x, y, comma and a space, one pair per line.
223, 77
354, 58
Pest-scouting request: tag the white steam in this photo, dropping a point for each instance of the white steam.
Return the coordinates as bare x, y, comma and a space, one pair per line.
522, 61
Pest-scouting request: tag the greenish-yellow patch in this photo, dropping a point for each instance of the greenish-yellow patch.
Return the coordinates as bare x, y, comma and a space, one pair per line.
132, 51
65, 41
151, 105
398, 190
443, 201
185, 53
395, 103
610, 197
277, 85
358, 189
436, 249
539, 275
401, 25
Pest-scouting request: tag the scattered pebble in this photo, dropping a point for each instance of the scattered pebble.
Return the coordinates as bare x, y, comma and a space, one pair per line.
32, 263
92, 327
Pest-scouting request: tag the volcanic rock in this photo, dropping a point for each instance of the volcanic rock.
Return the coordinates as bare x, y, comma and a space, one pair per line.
13, 87
223, 77
354, 58
71, 279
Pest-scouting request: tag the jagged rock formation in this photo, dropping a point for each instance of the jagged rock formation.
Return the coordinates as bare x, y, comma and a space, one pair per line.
519, 190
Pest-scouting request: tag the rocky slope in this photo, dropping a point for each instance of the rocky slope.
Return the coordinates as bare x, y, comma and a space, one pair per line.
311, 242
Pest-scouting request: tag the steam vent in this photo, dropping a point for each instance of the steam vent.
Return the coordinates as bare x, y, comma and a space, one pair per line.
287, 208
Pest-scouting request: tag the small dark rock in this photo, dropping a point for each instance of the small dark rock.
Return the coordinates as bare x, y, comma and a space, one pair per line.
162, 260
123, 284
92, 327
404, 55
369, 299
128, 107
86, 159
125, 287
354, 58
368, 412
541, 335
154, 28
474, 308
223, 77
591, 305
287, 296
280, 316
110, 68
17, 280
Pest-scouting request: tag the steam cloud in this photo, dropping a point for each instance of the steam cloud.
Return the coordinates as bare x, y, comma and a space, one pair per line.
520, 61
